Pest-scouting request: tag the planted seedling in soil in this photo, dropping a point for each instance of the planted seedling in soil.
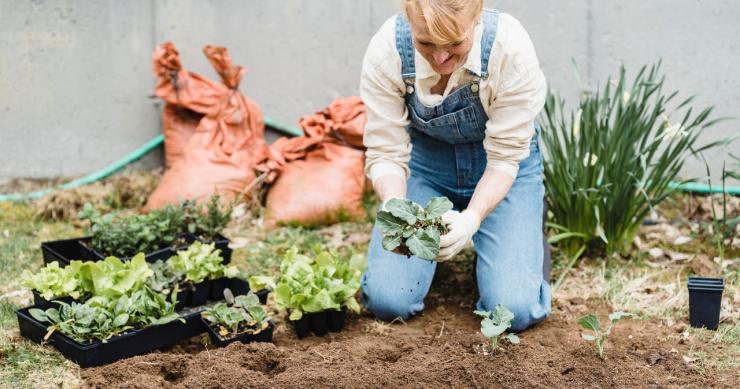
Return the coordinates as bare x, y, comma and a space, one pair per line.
240, 315
494, 324
410, 229
591, 322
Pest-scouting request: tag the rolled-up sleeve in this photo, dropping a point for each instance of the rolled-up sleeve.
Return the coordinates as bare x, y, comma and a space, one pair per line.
381, 88
519, 98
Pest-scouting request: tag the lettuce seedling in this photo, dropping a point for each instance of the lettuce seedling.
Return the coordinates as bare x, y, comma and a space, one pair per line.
111, 278
591, 322
313, 285
53, 281
409, 229
494, 324
199, 262
241, 315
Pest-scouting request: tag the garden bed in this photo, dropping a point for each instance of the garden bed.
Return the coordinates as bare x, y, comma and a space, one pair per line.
441, 348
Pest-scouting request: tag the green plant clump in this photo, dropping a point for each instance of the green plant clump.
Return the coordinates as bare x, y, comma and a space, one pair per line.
199, 262
240, 315
410, 229
53, 281
124, 236
210, 222
599, 337
495, 323
610, 161
308, 285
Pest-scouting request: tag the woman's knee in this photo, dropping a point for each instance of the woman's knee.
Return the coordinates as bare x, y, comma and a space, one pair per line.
388, 303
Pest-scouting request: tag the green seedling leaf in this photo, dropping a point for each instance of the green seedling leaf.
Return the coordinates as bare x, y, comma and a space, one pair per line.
391, 242
403, 209
423, 246
589, 322
437, 207
512, 338
616, 316
389, 224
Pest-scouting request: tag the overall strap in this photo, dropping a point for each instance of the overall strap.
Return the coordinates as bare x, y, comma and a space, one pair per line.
490, 27
405, 48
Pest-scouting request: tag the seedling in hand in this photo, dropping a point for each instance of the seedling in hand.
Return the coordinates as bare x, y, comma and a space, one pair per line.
591, 322
494, 324
410, 229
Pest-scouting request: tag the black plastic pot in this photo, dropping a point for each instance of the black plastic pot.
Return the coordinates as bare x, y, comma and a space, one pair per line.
200, 294
263, 336
335, 320
222, 243
183, 296
217, 288
66, 250
302, 326
320, 323
705, 300
119, 347
42, 303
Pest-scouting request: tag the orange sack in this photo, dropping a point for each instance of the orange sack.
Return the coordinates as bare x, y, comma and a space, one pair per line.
212, 132
318, 178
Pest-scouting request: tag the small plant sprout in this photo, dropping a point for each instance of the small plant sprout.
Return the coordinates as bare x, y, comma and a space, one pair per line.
591, 322
494, 324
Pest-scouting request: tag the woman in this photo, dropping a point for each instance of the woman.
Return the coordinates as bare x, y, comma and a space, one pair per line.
452, 92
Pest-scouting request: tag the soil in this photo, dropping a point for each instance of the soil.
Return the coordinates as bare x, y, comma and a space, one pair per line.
442, 347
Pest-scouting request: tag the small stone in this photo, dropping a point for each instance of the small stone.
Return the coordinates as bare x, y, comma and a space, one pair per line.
567, 370
656, 252
683, 239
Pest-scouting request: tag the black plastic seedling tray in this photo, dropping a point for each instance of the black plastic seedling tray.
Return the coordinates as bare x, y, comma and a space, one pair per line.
240, 287
42, 303
320, 323
263, 336
66, 250
705, 301
119, 347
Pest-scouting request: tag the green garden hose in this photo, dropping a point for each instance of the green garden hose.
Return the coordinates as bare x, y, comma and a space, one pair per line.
123, 162
288, 130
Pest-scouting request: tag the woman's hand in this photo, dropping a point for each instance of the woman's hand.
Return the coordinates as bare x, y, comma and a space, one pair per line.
462, 226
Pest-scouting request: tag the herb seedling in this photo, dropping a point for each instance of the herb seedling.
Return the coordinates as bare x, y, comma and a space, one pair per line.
494, 324
124, 236
591, 322
210, 222
409, 229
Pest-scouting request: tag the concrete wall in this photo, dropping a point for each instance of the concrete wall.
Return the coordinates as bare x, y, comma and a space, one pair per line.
75, 78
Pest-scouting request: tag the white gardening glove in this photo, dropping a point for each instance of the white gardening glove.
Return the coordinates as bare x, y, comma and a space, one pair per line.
462, 226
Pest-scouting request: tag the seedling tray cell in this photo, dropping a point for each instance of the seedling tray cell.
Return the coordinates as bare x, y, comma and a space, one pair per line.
66, 250
263, 336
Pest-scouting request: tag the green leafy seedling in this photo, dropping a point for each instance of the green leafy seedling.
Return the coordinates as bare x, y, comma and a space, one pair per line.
410, 229
591, 322
495, 323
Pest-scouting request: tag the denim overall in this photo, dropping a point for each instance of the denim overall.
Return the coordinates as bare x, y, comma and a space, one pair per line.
448, 159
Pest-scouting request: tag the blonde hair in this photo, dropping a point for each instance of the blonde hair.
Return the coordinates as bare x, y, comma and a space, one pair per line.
446, 20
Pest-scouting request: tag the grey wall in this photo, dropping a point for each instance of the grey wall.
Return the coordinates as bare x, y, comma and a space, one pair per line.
75, 75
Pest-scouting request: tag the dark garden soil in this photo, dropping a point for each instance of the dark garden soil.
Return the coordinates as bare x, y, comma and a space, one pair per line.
442, 348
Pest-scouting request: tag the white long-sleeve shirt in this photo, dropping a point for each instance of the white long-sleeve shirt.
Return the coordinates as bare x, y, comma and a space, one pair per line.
512, 96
